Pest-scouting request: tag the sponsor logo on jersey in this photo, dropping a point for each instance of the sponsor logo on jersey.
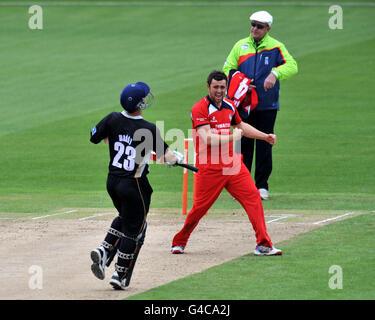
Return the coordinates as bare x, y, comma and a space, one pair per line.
213, 119
201, 119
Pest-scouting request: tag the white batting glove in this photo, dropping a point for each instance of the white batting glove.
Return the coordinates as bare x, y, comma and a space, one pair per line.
179, 159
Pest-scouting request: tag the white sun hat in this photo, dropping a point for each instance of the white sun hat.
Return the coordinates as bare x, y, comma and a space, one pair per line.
262, 16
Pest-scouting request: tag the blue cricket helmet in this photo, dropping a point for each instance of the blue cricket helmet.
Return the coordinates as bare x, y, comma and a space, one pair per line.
136, 96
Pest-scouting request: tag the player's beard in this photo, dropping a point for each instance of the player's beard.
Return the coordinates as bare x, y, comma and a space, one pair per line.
217, 99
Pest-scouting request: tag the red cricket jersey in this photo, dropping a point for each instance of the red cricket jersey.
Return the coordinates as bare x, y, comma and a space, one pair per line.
238, 93
204, 112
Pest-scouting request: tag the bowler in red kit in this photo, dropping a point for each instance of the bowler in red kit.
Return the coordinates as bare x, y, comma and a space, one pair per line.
219, 167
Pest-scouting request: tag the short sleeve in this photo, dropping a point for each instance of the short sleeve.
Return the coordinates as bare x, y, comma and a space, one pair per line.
199, 117
100, 131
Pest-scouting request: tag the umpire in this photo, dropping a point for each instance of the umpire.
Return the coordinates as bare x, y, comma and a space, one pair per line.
131, 139
266, 61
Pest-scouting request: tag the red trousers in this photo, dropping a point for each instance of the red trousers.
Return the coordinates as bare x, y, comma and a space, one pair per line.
209, 184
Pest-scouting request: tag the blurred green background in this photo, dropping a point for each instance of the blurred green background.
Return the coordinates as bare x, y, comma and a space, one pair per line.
57, 83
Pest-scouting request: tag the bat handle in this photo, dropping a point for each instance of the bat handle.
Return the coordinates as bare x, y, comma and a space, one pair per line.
189, 167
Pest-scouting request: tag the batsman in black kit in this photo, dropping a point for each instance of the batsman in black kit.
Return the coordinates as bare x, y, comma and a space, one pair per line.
131, 140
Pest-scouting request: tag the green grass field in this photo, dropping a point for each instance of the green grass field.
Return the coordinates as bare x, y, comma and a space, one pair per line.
57, 83
301, 273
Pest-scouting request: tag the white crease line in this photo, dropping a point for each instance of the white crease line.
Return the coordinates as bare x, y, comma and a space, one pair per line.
95, 215
279, 217
55, 214
334, 218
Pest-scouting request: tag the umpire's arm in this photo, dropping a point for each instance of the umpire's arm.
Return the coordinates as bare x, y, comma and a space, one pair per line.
231, 63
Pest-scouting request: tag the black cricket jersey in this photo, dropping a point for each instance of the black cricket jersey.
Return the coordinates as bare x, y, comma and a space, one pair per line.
131, 140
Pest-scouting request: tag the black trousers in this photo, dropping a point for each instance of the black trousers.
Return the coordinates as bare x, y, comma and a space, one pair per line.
132, 198
265, 122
